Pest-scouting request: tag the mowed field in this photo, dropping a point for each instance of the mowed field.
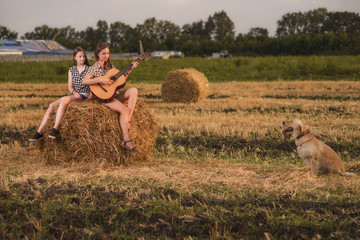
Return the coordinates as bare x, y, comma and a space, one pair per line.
221, 169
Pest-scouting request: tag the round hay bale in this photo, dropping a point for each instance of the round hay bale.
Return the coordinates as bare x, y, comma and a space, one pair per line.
186, 85
90, 133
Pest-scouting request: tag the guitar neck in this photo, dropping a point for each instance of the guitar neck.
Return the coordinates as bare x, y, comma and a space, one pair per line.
125, 69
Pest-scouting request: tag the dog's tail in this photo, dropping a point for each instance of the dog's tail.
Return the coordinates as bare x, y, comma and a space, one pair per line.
348, 174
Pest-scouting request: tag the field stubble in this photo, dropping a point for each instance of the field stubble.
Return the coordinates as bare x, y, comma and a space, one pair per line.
227, 147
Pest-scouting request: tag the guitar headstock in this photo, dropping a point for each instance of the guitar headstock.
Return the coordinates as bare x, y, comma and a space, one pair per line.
145, 56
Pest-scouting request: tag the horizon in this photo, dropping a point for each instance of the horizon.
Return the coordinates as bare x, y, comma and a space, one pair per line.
245, 15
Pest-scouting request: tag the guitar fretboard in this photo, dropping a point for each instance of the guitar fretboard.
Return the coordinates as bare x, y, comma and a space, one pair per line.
124, 70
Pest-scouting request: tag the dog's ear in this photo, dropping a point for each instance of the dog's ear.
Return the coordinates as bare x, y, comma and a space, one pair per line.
302, 128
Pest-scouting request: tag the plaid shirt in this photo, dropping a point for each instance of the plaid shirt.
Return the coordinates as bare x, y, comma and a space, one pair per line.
77, 79
97, 70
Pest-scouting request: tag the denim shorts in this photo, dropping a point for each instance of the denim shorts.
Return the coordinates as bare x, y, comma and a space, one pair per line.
83, 95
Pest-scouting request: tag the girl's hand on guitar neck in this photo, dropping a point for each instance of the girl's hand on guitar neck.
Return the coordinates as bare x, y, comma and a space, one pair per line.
135, 64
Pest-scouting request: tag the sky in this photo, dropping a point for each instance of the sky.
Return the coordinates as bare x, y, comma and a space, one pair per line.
23, 16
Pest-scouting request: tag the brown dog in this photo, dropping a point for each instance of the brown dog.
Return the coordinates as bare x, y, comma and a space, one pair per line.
319, 156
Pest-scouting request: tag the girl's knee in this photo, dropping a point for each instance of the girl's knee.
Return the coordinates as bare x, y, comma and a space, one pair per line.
133, 91
65, 100
52, 106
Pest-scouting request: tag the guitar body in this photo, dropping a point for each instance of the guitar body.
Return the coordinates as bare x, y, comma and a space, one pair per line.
104, 91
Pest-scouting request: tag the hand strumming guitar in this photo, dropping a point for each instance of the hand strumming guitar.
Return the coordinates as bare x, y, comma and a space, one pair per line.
106, 81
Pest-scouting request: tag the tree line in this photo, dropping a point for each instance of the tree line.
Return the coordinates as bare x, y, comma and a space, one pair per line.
315, 32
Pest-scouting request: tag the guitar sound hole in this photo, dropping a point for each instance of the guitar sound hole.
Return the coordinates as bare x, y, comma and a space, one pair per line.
113, 78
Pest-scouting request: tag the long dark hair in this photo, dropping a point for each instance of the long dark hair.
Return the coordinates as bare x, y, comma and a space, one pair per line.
76, 51
101, 46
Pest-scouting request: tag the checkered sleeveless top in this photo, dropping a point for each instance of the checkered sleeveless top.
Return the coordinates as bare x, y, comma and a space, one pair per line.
77, 79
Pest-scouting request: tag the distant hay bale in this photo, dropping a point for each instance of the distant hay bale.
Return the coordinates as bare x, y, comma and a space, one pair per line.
90, 133
185, 85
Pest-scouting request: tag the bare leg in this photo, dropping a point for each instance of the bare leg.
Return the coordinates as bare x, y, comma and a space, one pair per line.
45, 119
119, 107
64, 102
131, 95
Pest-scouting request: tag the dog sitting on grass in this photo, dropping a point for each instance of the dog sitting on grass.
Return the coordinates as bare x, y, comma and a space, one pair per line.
319, 156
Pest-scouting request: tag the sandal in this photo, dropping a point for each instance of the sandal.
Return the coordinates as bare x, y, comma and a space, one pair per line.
131, 149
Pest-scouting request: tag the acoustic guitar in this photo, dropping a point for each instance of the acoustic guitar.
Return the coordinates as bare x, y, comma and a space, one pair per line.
106, 91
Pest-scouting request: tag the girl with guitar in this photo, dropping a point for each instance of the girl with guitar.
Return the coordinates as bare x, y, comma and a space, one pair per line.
77, 92
97, 76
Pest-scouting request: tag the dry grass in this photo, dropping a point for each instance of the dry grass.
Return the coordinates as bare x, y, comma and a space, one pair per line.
232, 109
185, 175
